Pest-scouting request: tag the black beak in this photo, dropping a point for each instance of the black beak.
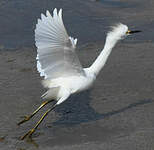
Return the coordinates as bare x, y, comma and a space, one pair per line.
131, 32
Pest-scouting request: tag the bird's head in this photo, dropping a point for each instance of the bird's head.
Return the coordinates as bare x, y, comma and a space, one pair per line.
120, 31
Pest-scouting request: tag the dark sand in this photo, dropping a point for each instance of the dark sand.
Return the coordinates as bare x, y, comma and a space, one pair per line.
117, 114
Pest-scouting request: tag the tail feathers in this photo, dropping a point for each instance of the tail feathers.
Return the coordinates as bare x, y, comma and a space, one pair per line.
52, 93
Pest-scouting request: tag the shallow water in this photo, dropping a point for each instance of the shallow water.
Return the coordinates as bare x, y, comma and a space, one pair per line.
116, 114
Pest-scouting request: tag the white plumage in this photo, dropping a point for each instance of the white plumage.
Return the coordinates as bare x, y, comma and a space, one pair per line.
56, 50
58, 63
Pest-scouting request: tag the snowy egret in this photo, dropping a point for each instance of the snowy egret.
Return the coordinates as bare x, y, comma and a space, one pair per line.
58, 63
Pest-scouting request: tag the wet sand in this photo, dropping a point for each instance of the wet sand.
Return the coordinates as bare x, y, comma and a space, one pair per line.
116, 114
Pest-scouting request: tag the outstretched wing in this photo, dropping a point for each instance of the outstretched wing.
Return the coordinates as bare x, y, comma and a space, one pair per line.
56, 55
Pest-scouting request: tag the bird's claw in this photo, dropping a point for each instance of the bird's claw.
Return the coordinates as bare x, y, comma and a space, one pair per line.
28, 134
26, 118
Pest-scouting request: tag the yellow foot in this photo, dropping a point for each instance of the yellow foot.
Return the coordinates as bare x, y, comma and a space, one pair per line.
26, 118
28, 134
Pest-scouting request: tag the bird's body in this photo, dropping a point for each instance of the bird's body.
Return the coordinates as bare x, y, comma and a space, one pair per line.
58, 63
57, 60
71, 85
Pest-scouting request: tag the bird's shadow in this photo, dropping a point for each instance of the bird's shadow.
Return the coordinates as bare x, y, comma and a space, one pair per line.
77, 110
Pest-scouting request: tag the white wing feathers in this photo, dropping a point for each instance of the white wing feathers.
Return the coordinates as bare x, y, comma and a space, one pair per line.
56, 55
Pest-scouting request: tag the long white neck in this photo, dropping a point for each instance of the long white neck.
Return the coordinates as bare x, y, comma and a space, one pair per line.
102, 58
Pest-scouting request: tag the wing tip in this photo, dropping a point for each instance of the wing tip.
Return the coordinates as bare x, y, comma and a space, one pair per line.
60, 12
42, 16
47, 13
55, 12
75, 41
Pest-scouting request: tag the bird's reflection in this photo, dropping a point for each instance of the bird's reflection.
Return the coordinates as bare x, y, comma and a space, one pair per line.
78, 110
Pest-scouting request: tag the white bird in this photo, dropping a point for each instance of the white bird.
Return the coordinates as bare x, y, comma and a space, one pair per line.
58, 63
